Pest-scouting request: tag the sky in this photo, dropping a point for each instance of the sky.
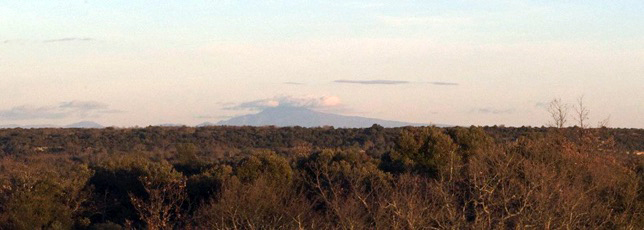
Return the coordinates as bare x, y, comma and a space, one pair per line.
460, 62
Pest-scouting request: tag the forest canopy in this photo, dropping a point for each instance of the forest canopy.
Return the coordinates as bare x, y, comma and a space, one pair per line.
321, 178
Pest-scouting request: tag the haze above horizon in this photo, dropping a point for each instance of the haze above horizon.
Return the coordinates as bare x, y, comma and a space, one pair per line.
463, 62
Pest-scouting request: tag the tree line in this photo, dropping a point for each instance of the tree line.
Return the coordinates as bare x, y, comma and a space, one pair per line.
322, 178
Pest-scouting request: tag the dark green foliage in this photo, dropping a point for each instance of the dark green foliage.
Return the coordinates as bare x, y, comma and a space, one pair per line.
204, 185
472, 140
187, 160
426, 151
43, 193
264, 164
119, 176
106, 226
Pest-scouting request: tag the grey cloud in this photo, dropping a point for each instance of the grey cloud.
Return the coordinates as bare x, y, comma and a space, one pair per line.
28, 113
70, 39
213, 116
110, 111
493, 111
288, 101
443, 83
85, 108
225, 104
82, 109
372, 82
14, 41
542, 105
83, 105
253, 105
394, 82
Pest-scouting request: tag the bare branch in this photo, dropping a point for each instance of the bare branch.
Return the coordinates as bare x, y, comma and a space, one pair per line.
581, 113
558, 112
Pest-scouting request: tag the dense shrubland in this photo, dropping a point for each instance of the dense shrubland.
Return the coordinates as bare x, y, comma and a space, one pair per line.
322, 178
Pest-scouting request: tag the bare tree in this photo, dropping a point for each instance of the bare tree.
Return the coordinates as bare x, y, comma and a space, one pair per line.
162, 208
604, 123
581, 113
558, 112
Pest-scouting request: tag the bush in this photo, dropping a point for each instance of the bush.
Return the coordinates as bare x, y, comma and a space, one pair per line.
41, 193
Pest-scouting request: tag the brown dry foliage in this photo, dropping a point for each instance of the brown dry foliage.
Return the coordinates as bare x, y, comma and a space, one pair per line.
434, 178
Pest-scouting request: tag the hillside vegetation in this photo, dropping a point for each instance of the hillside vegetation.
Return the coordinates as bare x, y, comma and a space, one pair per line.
322, 178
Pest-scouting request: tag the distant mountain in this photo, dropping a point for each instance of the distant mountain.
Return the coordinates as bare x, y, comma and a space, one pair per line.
294, 116
171, 125
85, 125
13, 126
206, 124
38, 126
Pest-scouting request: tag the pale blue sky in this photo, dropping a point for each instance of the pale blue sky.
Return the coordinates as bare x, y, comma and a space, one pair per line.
149, 62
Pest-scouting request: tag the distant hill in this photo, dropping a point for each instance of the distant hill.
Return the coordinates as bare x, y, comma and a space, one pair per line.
206, 124
38, 126
170, 125
82, 125
13, 126
294, 116
85, 125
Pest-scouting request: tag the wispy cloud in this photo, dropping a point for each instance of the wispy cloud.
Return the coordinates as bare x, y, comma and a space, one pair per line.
541, 105
394, 82
26, 112
218, 117
443, 83
69, 39
82, 109
489, 110
83, 105
14, 41
372, 82
312, 102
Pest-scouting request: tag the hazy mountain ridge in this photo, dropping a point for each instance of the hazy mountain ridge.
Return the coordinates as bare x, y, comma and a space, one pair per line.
85, 125
206, 124
295, 116
77, 125
279, 116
